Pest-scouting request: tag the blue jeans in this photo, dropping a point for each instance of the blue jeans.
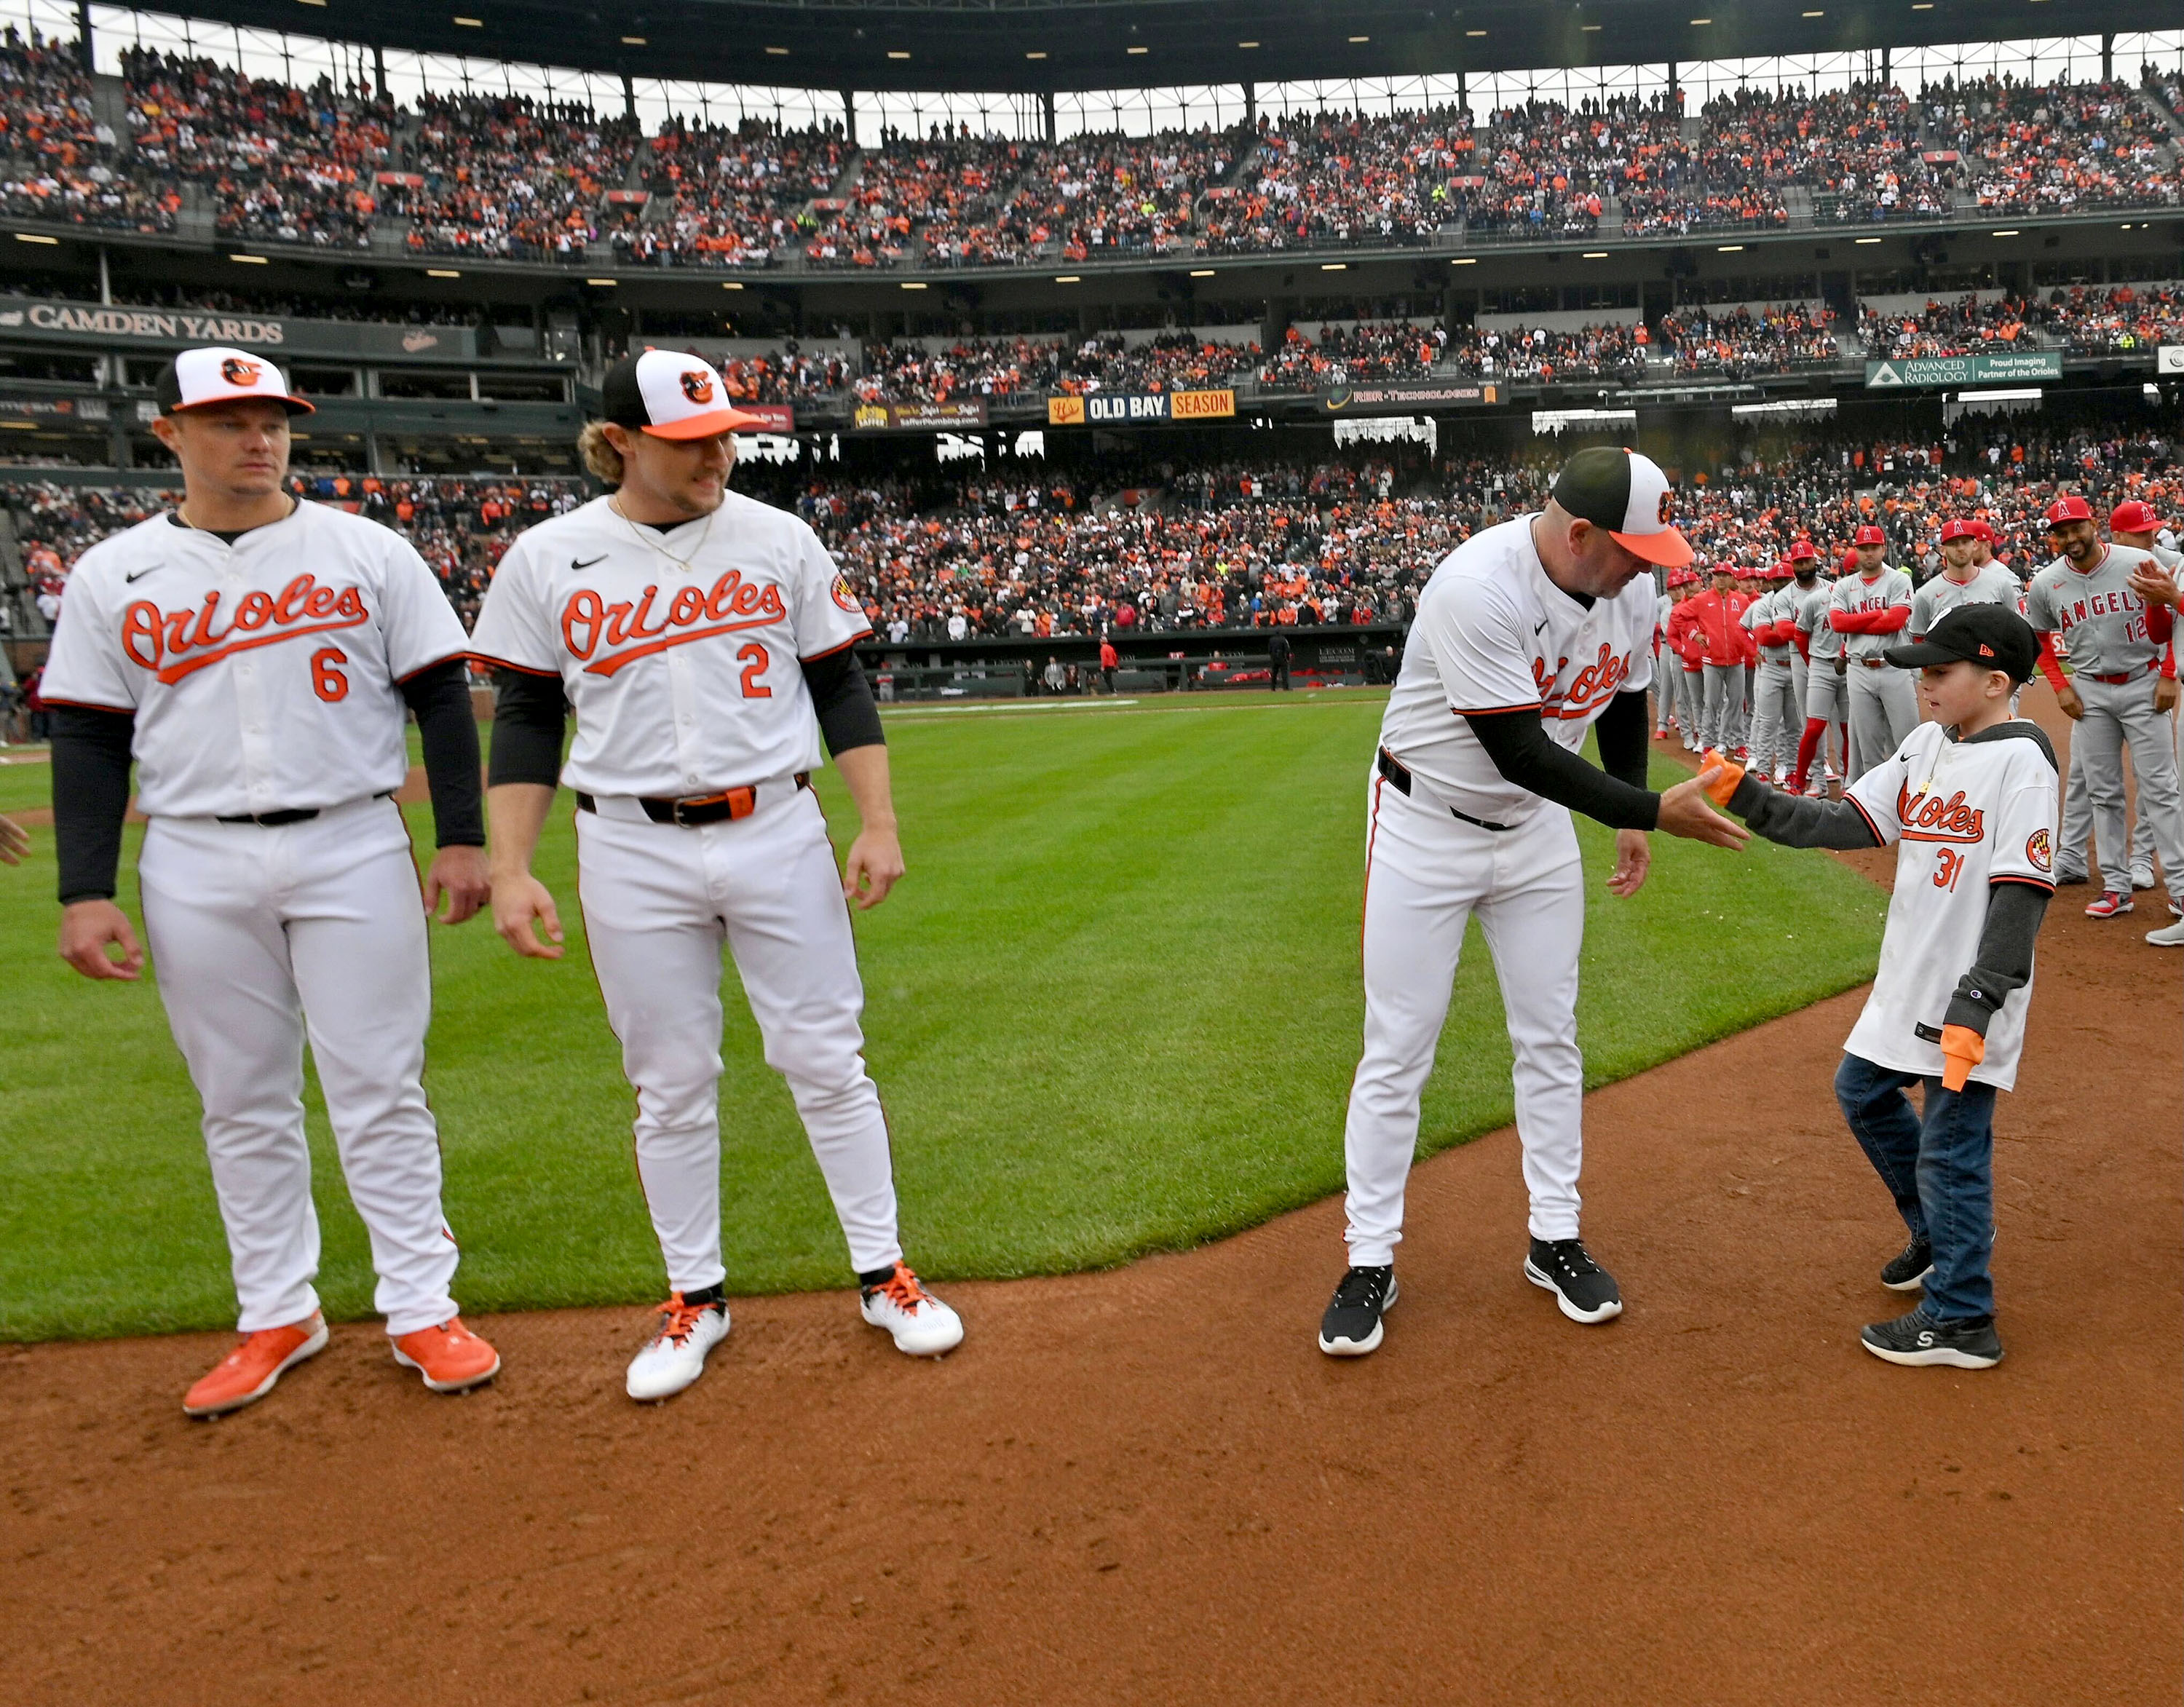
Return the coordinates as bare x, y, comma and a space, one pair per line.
1940, 1170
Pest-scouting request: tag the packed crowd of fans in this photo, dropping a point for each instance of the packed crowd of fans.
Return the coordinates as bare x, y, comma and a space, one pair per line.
730, 198
1107, 197
2052, 148
57, 161
1345, 355
506, 176
1333, 179
1737, 344
2086, 319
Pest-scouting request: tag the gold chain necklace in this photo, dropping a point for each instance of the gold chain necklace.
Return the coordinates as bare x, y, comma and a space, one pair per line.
652, 536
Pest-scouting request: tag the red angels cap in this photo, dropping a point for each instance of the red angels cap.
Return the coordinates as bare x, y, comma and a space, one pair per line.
1725, 567
1868, 535
1803, 551
1627, 494
1850, 561
219, 374
1982, 530
1955, 529
672, 396
2133, 517
2070, 506
1781, 571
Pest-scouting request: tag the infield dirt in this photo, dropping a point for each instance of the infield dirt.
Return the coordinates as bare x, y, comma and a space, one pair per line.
1147, 1485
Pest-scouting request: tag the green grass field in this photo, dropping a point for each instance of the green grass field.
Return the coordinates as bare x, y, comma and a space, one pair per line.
1114, 1009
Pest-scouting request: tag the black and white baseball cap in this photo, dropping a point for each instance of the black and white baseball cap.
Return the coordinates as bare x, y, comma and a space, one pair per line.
1627, 494
1992, 636
670, 396
219, 374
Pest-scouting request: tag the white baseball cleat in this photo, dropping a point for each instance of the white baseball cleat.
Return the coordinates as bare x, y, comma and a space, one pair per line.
2169, 937
922, 1325
675, 1356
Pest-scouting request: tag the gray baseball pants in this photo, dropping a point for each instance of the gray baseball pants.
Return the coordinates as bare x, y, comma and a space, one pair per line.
2117, 716
1883, 708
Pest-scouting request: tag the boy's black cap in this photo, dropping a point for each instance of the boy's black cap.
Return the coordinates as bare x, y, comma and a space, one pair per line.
1991, 635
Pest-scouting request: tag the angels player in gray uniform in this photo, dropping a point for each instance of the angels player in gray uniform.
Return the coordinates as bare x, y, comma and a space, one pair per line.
1827, 688
257, 656
2132, 523
1962, 581
1776, 720
2095, 595
703, 640
1869, 610
1527, 634
1969, 801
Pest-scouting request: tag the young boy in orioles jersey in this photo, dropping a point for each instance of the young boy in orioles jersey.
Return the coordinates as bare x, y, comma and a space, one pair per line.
1970, 800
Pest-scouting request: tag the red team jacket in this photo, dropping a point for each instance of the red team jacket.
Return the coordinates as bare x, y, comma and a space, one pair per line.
1718, 619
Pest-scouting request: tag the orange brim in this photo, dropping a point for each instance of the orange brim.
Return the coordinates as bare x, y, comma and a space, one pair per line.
295, 406
707, 425
1668, 548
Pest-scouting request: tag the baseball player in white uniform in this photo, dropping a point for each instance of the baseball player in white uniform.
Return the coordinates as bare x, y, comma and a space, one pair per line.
1527, 634
256, 654
2104, 600
703, 640
2132, 523
1968, 800
1869, 610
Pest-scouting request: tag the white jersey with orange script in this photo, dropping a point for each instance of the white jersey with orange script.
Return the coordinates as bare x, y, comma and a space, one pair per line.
265, 675
1494, 634
679, 648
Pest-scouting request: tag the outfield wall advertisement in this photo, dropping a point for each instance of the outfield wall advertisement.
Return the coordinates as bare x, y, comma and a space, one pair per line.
1134, 409
1965, 371
919, 417
172, 329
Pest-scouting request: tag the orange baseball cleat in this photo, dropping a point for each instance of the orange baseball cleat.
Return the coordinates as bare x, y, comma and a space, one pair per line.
247, 1374
450, 1357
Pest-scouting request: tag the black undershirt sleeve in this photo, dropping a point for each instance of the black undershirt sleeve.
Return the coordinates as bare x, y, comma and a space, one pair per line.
2004, 962
91, 797
1800, 820
1623, 733
447, 729
849, 717
530, 717
1517, 741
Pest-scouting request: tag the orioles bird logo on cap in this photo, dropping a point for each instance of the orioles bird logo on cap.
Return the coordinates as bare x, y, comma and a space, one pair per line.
238, 372
697, 387
1664, 510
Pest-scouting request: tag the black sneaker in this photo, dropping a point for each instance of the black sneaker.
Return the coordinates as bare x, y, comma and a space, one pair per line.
1583, 1290
1968, 1342
2069, 877
1907, 1270
1351, 1326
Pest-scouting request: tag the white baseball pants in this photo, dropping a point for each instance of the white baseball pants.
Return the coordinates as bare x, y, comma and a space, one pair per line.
262, 938
1883, 708
1776, 720
659, 902
1426, 873
2120, 715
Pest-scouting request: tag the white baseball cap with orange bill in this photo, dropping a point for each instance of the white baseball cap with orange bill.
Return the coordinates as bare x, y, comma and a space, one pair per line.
672, 396
217, 373
1627, 494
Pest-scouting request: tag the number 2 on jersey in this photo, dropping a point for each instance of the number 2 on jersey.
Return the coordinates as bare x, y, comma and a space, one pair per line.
1951, 868
327, 680
755, 660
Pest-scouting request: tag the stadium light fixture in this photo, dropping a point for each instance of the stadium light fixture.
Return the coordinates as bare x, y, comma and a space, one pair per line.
1474, 32
1731, 249
35, 237
897, 54
21, 426
1038, 55
732, 285
1334, 266
912, 284
441, 273
1594, 255
1924, 6
1590, 28
1465, 261
1247, 44
603, 284
1137, 50
249, 260
1864, 241
1201, 272
634, 41
2006, 234
779, 53
470, 23
310, 3
1361, 38
1702, 20
1815, 15
1069, 279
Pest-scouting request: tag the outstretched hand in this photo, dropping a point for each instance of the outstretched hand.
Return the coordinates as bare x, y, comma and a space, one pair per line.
1686, 811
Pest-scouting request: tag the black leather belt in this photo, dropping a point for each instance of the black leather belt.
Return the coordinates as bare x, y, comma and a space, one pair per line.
1396, 772
273, 820
730, 803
